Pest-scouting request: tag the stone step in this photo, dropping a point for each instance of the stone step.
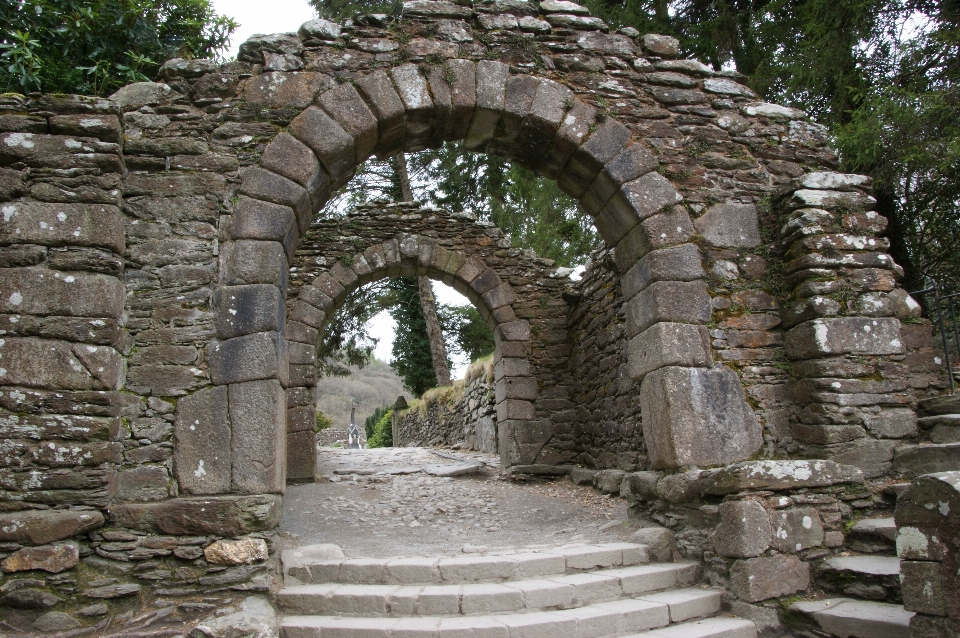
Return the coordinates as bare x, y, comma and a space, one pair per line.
706, 628
916, 460
946, 404
845, 618
942, 428
872, 535
555, 592
462, 569
870, 577
615, 618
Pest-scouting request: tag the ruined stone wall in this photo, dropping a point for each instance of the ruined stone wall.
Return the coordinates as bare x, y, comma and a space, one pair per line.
465, 418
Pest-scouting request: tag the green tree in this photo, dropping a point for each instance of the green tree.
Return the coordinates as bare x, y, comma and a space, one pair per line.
411, 346
469, 333
382, 431
371, 421
323, 421
94, 47
343, 9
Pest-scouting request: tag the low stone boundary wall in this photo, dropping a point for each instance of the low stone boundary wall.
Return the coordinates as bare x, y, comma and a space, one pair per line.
928, 543
467, 420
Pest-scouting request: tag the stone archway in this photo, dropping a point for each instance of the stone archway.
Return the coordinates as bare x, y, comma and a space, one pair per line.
403, 240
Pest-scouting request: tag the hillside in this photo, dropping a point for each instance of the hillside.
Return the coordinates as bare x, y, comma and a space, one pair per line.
371, 387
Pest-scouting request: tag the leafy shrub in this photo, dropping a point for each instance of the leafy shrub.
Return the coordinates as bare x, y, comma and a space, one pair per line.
382, 431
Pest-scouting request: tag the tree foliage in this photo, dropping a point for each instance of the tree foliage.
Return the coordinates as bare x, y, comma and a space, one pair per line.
94, 47
468, 333
343, 9
411, 346
382, 431
371, 421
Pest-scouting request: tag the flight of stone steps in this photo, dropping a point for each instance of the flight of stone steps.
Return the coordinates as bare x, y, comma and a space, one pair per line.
867, 601
587, 591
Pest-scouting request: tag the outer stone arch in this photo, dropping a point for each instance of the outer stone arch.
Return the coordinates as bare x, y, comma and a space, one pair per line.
695, 414
379, 242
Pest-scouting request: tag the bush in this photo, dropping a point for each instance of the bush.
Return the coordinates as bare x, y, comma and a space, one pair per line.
323, 422
373, 419
382, 432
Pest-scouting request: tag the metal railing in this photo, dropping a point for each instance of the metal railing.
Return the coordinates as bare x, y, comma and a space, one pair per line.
943, 312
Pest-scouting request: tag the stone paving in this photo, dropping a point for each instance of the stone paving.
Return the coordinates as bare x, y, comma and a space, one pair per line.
396, 501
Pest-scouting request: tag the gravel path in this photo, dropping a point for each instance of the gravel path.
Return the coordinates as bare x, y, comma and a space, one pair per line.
397, 502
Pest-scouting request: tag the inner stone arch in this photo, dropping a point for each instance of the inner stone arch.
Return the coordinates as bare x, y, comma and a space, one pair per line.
518, 294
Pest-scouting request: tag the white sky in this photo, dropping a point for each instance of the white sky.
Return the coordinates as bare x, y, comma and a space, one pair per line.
256, 16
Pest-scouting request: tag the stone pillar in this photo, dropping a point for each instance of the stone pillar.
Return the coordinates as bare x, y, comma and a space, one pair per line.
843, 316
928, 544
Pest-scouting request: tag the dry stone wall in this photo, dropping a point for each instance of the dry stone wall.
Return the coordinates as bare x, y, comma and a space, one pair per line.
155, 344
465, 421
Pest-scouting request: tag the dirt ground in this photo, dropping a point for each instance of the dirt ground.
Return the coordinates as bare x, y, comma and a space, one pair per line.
395, 502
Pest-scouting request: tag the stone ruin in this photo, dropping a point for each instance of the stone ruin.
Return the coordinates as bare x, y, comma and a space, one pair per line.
739, 351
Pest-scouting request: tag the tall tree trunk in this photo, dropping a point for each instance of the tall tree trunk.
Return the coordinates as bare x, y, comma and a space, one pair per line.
438, 349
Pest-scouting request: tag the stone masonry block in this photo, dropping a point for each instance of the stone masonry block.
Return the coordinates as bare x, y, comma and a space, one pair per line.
678, 263
262, 184
243, 310
604, 144
294, 160
513, 331
668, 344
39, 291
673, 301
547, 113
304, 313
301, 353
201, 451
744, 530
696, 416
301, 419
442, 105
518, 99
253, 262
502, 295
632, 163
668, 228
415, 94
258, 412
30, 222
248, 358
796, 529
730, 225
517, 388
378, 92
491, 93
463, 97
922, 587
332, 145
301, 456
256, 219
573, 131
514, 410
345, 105
485, 281
757, 579
844, 335
645, 195
59, 365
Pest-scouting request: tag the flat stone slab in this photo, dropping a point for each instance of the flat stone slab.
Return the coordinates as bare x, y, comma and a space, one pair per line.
707, 628
881, 527
463, 469
947, 404
846, 618
779, 475
869, 565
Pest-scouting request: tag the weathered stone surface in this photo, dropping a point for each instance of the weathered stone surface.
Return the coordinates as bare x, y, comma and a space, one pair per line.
435, 9
39, 527
29, 598
225, 516
243, 310
662, 45
378, 92
258, 414
133, 96
334, 147
256, 618
59, 365
668, 301
29, 222
257, 356
744, 530
695, 416
922, 587
491, 83
145, 483
678, 263
669, 344
757, 579
55, 621
640, 486
608, 481
779, 475
241, 552
841, 335
796, 529
682, 487
345, 105
730, 225
40, 291
278, 89
668, 228
661, 543
319, 29
110, 592
895, 423
49, 558
253, 262
607, 141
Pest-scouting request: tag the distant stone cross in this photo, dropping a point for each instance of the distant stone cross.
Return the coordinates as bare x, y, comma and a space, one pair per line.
353, 436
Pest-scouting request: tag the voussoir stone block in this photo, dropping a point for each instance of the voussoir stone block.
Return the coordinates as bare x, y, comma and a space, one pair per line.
258, 414
605, 143
415, 94
642, 197
201, 451
262, 184
294, 160
253, 262
463, 98
519, 97
257, 219
491, 95
378, 92
744, 530
250, 357
668, 344
697, 416
332, 145
345, 105
549, 108
632, 163
672, 301
844, 335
